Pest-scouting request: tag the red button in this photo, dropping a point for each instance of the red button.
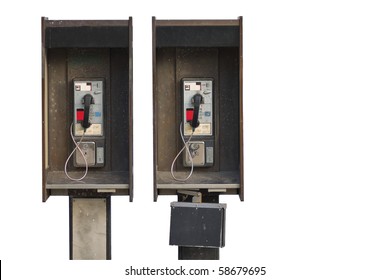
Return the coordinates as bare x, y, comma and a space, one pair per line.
189, 114
80, 114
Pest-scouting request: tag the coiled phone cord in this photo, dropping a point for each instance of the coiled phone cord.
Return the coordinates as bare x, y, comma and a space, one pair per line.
77, 144
189, 153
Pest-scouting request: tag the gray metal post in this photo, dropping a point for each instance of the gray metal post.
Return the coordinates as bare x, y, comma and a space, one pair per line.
90, 228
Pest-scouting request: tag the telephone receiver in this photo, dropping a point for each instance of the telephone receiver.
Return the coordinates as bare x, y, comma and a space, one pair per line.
87, 101
197, 99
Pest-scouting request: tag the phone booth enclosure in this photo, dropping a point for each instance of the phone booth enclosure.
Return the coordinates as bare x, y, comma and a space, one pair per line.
198, 50
75, 52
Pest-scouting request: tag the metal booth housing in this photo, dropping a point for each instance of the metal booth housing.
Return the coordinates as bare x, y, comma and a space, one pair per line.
73, 49
198, 49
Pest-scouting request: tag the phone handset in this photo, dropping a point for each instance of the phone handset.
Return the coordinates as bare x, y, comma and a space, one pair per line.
87, 101
197, 99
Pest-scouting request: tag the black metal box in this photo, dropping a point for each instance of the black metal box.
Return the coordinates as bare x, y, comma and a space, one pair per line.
197, 224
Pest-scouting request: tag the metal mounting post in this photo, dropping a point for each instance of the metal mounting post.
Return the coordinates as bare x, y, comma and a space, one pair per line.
90, 228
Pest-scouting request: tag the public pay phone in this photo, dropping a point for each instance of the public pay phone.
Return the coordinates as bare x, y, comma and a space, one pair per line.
88, 125
87, 128
198, 122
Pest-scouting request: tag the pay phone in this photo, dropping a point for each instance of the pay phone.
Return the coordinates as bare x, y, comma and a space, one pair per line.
198, 121
87, 128
88, 125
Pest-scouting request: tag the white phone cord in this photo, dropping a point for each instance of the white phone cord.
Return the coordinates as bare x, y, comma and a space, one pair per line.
77, 144
189, 153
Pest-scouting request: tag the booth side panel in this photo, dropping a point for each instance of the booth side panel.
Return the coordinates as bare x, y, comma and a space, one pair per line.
241, 113
130, 108
45, 165
154, 67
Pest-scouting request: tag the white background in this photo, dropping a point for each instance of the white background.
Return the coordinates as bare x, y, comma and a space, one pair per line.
316, 130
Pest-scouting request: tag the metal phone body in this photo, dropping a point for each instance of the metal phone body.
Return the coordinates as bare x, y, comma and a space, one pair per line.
93, 144
201, 146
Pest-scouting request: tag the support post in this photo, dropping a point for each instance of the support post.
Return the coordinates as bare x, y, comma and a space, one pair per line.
198, 253
90, 228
